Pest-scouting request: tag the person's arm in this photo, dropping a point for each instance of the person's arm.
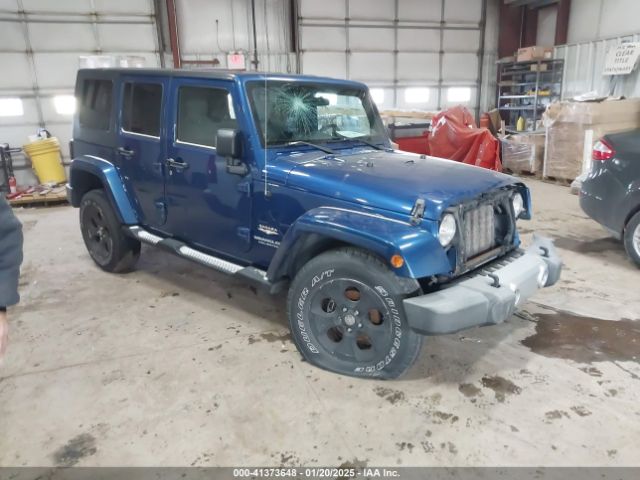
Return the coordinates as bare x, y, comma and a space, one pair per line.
10, 260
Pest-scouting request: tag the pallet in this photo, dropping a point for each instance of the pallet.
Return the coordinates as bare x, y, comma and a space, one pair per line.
523, 173
38, 199
565, 182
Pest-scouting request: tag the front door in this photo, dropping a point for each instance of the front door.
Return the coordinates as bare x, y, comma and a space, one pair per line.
207, 206
141, 145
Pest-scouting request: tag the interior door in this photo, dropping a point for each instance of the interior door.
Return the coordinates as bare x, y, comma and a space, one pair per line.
141, 145
207, 206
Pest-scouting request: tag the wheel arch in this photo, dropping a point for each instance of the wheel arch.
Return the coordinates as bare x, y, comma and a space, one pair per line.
326, 228
90, 173
630, 215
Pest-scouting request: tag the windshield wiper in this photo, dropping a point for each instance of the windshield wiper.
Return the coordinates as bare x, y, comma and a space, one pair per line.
372, 145
301, 142
357, 139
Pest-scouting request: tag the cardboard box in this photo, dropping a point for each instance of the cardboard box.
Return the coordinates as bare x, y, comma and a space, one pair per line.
523, 153
539, 67
528, 54
573, 128
496, 120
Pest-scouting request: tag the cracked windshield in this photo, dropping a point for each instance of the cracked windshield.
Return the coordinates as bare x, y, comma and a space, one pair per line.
310, 112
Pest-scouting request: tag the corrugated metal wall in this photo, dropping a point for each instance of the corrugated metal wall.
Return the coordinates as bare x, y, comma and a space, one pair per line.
40, 45
211, 28
583, 65
597, 19
396, 46
595, 26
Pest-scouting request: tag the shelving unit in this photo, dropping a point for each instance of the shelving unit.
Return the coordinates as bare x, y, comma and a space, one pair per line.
526, 88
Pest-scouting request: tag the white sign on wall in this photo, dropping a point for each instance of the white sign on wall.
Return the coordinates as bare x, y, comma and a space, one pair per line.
621, 60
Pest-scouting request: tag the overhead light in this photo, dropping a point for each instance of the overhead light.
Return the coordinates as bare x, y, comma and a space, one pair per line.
459, 94
11, 107
377, 94
416, 95
65, 104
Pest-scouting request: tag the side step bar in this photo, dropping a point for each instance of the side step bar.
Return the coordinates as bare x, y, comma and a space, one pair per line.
255, 275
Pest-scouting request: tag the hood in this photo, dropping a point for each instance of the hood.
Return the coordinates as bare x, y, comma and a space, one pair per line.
392, 180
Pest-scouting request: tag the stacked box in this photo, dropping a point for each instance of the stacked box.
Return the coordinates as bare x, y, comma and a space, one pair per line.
523, 153
573, 128
528, 54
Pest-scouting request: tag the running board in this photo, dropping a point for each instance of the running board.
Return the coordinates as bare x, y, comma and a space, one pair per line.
181, 249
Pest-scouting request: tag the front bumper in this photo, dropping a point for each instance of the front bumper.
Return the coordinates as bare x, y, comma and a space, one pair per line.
486, 296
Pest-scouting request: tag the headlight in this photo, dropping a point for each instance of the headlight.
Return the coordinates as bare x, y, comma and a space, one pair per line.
447, 229
518, 204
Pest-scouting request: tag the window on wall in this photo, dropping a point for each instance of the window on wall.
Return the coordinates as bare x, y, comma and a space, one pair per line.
141, 108
95, 104
64, 104
377, 94
416, 95
202, 111
11, 107
459, 94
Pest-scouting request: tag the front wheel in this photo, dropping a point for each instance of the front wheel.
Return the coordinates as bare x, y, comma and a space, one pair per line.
346, 315
632, 238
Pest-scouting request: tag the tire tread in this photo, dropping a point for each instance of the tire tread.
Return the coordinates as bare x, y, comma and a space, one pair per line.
372, 260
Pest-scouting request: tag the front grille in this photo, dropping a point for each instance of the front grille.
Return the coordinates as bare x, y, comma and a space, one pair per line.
479, 230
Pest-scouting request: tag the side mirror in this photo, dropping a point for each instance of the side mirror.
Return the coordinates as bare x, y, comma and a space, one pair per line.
228, 146
228, 143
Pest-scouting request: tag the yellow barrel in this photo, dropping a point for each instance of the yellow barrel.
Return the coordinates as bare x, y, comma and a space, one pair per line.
46, 160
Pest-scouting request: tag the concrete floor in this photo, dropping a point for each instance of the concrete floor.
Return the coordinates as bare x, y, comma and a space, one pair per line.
177, 365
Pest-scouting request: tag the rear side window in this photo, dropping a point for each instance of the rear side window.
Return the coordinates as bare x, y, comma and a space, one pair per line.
202, 111
141, 107
95, 104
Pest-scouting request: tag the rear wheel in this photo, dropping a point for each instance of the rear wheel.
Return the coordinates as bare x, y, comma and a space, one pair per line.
346, 315
632, 238
108, 246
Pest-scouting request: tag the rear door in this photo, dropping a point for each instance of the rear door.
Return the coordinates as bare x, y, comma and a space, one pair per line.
207, 206
141, 146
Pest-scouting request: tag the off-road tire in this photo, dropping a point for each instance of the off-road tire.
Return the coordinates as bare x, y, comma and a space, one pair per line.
632, 238
102, 233
361, 335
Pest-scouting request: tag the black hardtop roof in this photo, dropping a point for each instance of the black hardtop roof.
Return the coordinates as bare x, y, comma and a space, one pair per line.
169, 72
213, 73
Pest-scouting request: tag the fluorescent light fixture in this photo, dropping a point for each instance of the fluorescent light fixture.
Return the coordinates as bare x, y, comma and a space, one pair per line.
11, 107
377, 94
65, 104
459, 94
416, 95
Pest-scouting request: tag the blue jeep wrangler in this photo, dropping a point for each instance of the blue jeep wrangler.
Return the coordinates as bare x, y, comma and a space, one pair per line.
291, 181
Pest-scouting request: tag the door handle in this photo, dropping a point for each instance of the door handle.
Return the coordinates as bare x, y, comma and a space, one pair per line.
125, 152
178, 165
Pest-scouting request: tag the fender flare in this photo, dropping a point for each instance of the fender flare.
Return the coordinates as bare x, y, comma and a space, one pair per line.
113, 185
630, 204
382, 235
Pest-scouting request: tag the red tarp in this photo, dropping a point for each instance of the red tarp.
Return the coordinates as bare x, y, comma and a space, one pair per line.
414, 144
454, 135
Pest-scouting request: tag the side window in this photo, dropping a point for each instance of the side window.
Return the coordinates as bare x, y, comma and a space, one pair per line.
141, 107
202, 112
95, 104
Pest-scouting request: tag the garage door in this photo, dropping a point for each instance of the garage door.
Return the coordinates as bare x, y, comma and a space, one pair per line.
41, 43
414, 54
